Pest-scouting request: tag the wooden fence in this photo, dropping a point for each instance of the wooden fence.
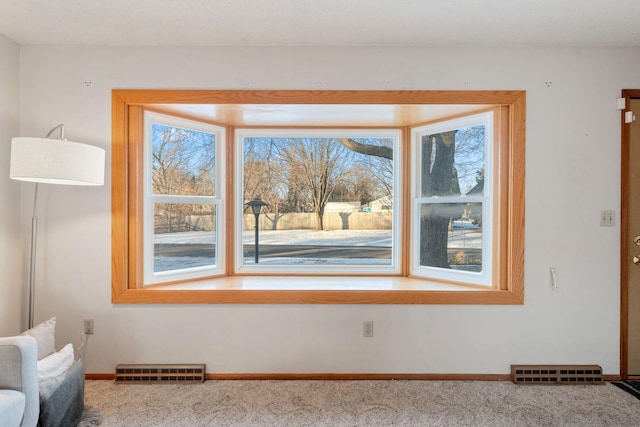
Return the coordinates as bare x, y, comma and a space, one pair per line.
305, 221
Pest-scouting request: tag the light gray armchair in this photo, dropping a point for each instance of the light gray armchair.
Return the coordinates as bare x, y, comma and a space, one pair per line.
19, 398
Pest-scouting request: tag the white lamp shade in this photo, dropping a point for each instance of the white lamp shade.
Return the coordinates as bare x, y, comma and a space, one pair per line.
56, 161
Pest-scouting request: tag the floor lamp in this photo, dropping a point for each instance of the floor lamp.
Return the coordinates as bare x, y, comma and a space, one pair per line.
52, 161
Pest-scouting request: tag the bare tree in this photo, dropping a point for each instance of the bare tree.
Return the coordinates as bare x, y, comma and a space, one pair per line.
319, 164
298, 197
468, 163
378, 158
263, 177
381, 170
358, 185
182, 163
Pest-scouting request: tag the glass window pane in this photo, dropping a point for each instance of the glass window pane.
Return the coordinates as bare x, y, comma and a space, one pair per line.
329, 200
182, 161
184, 236
453, 162
451, 236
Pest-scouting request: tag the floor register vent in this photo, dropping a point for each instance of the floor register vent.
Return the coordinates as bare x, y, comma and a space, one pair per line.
556, 374
153, 374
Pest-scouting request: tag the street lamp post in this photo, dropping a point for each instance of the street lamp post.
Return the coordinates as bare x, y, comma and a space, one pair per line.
256, 206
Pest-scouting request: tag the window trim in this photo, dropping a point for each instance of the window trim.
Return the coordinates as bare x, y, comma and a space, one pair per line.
485, 278
217, 199
393, 268
127, 109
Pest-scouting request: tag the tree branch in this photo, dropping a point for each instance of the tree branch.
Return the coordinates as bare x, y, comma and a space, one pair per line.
367, 149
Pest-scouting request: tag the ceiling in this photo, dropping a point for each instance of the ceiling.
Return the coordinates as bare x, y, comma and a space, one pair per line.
517, 23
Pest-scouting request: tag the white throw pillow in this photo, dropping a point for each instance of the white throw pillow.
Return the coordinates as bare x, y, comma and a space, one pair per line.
44, 333
55, 364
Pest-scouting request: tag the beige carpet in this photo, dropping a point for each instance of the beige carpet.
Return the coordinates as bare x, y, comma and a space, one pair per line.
360, 403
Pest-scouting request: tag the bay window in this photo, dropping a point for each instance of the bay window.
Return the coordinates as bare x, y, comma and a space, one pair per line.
369, 197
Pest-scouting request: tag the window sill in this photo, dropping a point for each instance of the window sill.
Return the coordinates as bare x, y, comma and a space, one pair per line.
315, 290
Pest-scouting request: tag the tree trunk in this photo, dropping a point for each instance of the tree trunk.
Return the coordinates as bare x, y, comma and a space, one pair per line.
320, 218
434, 240
438, 179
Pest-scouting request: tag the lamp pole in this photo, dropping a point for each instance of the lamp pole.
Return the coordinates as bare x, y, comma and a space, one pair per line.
256, 206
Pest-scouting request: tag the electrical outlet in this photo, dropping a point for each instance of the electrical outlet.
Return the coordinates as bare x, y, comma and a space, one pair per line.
88, 326
607, 218
367, 329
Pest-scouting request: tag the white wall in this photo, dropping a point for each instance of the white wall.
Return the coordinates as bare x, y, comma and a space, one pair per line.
573, 138
11, 291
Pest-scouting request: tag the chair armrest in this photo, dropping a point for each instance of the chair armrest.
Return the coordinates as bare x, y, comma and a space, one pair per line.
19, 371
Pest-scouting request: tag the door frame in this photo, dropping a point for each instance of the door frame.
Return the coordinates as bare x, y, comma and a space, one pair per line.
625, 234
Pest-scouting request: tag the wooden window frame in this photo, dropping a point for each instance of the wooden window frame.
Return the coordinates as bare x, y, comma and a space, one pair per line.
127, 216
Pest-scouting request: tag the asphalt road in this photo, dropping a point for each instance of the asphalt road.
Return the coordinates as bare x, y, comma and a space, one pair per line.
289, 251
277, 251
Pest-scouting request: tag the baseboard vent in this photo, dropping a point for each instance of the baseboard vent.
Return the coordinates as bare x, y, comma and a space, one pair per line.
556, 374
153, 374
